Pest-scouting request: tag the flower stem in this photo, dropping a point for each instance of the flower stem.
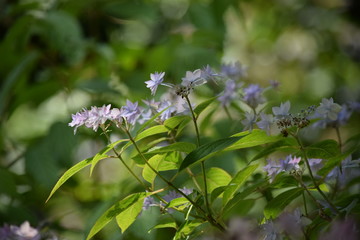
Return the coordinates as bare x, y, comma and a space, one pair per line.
202, 162
312, 176
211, 220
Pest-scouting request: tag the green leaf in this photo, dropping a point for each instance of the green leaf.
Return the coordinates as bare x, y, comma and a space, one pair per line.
238, 207
99, 156
148, 122
151, 131
166, 222
331, 163
186, 229
177, 146
177, 202
202, 106
125, 212
175, 121
217, 192
69, 173
237, 182
278, 204
255, 138
216, 177
284, 145
205, 150
148, 174
325, 149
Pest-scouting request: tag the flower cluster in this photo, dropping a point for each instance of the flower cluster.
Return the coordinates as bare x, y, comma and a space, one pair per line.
24, 232
288, 164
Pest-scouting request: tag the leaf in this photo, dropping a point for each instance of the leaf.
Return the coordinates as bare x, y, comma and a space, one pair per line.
205, 150
255, 138
331, 163
216, 177
202, 106
237, 207
102, 153
238, 181
284, 145
125, 211
177, 146
177, 202
325, 149
69, 173
175, 121
186, 229
148, 122
148, 174
278, 204
167, 222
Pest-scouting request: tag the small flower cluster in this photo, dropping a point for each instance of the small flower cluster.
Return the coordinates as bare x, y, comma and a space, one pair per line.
24, 232
288, 164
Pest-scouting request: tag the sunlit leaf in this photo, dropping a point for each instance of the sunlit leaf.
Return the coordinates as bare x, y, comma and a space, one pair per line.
125, 211
186, 229
278, 204
166, 222
255, 138
202, 106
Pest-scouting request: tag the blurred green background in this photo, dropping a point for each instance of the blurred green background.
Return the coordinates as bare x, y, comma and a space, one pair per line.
58, 56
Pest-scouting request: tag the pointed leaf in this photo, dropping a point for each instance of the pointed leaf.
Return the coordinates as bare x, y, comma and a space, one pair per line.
148, 174
255, 138
177, 202
202, 106
325, 149
177, 146
148, 122
331, 163
237, 182
278, 204
205, 150
186, 229
175, 121
167, 222
127, 207
69, 173
216, 177
284, 145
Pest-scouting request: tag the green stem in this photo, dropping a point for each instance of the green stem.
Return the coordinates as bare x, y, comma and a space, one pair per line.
202, 163
339, 137
211, 220
305, 205
312, 176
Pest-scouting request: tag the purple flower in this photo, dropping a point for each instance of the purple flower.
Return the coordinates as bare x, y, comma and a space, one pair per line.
131, 112
265, 122
193, 79
315, 164
342, 229
173, 195
155, 80
168, 112
328, 109
208, 73
290, 163
273, 168
233, 70
229, 93
249, 121
270, 231
274, 84
78, 119
25, 232
282, 111
148, 202
116, 116
98, 116
349, 170
253, 95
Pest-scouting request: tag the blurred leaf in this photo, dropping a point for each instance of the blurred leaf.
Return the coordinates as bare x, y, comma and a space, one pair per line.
331, 163
177, 202
7, 183
202, 106
185, 147
216, 177
205, 150
237, 182
236, 207
175, 121
324, 150
186, 229
278, 204
255, 138
284, 145
147, 173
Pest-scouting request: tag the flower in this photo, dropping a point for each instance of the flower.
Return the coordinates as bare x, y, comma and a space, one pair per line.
173, 195
265, 122
98, 116
289, 163
155, 80
233, 70
270, 231
282, 111
78, 119
328, 109
229, 93
131, 112
26, 231
168, 112
249, 121
148, 202
252, 95
193, 79
273, 168
208, 73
